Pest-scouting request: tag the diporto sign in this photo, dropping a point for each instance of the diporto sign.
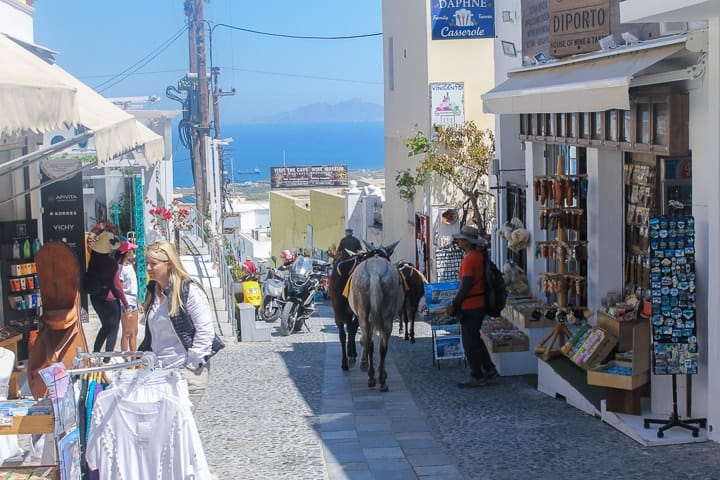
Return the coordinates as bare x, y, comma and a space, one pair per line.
577, 25
453, 19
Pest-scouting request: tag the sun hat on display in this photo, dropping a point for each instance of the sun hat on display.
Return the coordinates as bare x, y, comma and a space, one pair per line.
450, 216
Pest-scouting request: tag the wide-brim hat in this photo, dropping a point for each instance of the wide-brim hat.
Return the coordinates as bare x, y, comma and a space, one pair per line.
104, 242
471, 234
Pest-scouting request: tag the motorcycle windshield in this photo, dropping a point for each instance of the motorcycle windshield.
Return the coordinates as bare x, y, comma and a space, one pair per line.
302, 267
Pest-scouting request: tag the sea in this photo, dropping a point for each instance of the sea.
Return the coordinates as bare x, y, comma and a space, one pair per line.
257, 147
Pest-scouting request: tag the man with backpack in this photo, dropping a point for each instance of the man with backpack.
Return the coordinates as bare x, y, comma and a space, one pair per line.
470, 305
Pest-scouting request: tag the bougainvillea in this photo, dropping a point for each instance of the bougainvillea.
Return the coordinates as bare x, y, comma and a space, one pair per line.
169, 218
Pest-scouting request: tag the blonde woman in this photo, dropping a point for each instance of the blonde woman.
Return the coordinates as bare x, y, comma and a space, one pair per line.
178, 319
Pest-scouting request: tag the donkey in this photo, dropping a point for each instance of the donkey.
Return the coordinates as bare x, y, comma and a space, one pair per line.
345, 319
414, 284
376, 296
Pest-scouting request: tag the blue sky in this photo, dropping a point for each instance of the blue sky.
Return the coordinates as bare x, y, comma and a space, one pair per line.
97, 39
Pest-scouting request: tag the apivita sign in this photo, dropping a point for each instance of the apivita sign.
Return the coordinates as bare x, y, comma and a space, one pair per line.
453, 19
577, 25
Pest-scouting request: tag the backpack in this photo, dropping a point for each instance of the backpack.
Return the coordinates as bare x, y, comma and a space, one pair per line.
94, 287
495, 288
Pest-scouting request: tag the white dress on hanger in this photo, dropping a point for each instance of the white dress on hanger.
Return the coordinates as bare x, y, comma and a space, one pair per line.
143, 428
9, 446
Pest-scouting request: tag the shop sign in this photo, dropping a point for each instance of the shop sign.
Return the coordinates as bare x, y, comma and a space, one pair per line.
454, 19
447, 104
535, 27
309, 176
577, 26
62, 204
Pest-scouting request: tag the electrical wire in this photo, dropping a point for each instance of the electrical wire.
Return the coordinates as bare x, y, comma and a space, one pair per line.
299, 75
305, 37
141, 63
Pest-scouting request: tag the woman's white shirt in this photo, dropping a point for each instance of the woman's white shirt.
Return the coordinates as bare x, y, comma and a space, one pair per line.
130, 285
165, 343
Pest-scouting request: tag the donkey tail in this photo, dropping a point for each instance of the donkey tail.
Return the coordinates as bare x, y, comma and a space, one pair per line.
376, 299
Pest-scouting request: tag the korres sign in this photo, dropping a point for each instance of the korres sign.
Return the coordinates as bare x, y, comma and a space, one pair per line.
452, 19
309, 176
576, 26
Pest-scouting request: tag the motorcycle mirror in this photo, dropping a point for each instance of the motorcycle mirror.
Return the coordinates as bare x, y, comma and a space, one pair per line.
274, 259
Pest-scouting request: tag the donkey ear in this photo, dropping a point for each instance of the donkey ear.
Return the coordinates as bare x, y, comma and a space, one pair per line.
391, 248
366, 245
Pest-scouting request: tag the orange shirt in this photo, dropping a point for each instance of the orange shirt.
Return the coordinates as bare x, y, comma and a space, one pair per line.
474, 265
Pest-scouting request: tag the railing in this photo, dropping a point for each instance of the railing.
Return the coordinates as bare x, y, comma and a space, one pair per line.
213, 240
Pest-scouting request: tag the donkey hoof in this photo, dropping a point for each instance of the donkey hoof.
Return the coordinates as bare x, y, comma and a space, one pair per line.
345, 366
384, 387
412, 340
371, 382
351, 361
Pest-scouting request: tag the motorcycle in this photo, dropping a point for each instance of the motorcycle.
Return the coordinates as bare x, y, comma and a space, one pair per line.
272, 291
298, 298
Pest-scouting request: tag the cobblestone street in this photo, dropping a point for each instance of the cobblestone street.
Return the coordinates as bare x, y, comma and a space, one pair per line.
284, 409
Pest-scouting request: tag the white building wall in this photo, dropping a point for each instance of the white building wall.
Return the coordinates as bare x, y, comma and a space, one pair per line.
412, 60
606, 222
16, 20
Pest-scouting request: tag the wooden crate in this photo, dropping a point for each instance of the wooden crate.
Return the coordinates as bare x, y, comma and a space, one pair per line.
640, 364
623, 330
516, 344
51, 472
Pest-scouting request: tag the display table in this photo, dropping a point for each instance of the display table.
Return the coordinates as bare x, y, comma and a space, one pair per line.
447, 343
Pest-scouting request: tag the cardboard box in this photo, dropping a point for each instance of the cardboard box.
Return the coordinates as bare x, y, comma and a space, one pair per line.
598, 353
622, 330
639, 365
602, 376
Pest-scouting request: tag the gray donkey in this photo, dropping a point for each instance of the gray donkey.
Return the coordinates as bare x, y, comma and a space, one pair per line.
376, 296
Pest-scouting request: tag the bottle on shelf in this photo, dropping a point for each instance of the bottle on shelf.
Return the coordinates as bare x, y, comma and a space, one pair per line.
27, 249
36, 246
16, 250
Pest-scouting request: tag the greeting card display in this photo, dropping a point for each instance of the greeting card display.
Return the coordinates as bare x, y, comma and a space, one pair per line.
672, 287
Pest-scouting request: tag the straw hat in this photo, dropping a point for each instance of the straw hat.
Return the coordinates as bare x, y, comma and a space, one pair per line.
471, 234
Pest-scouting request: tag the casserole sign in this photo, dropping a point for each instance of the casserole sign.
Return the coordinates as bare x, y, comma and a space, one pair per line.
453, 19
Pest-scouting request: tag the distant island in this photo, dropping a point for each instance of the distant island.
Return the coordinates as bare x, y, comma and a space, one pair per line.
349, 111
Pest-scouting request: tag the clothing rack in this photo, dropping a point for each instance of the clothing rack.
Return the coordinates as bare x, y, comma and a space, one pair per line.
146, 359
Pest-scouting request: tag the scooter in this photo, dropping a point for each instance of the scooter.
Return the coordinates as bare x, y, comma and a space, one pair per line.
251, 292
272, 291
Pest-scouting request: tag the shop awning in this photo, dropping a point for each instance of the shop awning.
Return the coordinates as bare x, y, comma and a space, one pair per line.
32, 96
153, 144
592, 85
116, 131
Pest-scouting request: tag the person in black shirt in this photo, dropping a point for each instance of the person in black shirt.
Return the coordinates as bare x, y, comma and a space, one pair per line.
348, 242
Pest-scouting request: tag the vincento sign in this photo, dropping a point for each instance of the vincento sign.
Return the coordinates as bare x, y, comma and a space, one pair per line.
309, 176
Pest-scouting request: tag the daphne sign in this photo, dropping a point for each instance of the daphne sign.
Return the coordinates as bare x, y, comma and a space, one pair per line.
453, 19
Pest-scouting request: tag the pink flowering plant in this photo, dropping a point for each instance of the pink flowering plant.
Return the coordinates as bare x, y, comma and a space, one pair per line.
169, 218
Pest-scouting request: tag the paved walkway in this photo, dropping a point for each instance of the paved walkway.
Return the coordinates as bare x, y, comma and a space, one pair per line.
285, 410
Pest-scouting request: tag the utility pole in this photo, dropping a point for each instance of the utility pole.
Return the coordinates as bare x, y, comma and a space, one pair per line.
199, 105
216, 94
